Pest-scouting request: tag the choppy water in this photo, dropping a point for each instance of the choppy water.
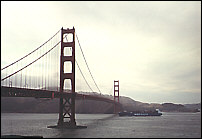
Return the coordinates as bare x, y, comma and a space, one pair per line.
177, 125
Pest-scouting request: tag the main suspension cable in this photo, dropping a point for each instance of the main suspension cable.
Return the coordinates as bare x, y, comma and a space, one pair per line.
30, 63
81, 71
31, 52
83, 76
87, 63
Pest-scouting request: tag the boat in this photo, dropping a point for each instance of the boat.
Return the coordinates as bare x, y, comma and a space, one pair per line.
143, 113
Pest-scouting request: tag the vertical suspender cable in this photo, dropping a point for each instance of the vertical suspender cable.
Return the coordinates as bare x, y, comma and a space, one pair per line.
42, 69
57, 59
6, 75
29, 75
37, 69
20, 79
16, 84
47, 70
25, 76
40, 80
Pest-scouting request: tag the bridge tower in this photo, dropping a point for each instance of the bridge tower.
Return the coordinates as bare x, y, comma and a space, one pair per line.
67, 105
116, 95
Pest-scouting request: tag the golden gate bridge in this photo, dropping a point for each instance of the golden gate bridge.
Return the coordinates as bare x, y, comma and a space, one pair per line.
49, 72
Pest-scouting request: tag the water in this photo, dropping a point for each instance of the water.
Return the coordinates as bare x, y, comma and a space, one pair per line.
171, 125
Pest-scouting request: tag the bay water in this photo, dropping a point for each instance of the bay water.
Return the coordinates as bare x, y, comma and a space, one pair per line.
169, 125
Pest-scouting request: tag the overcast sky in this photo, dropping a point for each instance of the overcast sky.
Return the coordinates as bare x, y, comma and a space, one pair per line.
152, 48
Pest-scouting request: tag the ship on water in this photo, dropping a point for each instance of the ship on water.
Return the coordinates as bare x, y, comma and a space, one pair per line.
141, 113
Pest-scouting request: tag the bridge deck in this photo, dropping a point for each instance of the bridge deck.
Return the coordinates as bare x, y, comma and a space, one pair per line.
25, 92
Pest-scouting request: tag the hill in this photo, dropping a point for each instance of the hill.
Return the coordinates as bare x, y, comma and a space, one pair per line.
132, 105
33, 105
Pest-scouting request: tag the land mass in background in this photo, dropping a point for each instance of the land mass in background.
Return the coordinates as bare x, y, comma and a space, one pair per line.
33, 105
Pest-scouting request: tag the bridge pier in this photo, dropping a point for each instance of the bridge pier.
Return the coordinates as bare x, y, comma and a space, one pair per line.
67, 105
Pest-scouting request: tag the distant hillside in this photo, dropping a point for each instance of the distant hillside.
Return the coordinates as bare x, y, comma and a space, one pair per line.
33, 105
132, 105
193, 106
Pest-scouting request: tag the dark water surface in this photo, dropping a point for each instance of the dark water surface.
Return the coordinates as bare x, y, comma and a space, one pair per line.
170, 125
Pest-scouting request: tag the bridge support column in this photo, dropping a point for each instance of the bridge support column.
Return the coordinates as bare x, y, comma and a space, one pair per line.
67, 105
116, 96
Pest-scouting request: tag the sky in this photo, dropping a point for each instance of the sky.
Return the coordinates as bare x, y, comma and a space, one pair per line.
152, 48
